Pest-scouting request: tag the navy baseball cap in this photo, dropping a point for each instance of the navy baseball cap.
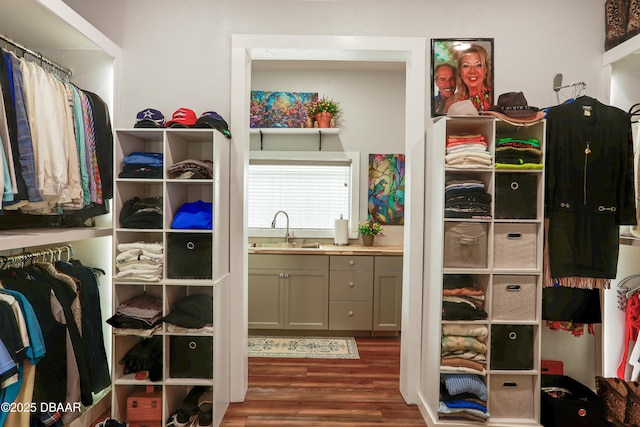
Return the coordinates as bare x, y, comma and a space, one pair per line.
213, 120
149, 118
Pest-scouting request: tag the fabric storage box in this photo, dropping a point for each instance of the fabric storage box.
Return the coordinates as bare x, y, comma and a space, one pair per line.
511, 347
511, 396
516, 196
513, 297
465, 244
145, 406
189, 255
190, 357
580, 407
515, 245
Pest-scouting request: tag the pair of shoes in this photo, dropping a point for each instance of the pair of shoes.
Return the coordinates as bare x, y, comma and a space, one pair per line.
188, 411
176, 421
205, 409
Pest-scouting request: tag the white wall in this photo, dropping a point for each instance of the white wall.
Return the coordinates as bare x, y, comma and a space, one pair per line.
177, 54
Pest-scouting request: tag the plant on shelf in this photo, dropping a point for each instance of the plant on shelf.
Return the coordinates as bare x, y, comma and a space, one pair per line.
369, 229
323, 110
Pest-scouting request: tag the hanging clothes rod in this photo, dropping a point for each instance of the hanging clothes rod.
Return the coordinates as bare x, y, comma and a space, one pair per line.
38, 56
54, 253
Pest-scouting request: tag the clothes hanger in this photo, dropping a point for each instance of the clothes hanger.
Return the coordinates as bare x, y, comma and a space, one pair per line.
634, 111
629, 291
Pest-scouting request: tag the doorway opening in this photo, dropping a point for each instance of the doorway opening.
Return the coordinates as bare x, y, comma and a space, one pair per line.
247, 49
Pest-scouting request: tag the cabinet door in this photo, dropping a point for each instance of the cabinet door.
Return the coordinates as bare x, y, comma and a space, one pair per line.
307, 299
266, 299
387, 300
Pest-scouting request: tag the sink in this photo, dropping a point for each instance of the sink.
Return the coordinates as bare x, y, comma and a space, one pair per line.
309, 245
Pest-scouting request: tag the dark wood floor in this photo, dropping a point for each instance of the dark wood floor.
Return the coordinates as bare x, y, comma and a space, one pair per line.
326, 392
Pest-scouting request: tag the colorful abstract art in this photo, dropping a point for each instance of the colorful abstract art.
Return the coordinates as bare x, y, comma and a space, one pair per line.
280, 109
386, 188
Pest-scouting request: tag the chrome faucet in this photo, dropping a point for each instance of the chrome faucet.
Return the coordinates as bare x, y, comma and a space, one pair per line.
273, 224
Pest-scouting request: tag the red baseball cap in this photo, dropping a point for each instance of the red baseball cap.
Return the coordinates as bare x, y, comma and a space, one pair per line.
182, 117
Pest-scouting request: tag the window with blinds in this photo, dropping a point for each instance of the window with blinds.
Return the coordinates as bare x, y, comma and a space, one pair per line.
313, 193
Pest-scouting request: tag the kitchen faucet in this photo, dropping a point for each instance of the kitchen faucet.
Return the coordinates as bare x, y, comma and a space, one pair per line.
273, 224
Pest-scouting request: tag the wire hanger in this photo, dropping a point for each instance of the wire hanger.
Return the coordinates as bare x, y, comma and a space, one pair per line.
634, 111
629, 291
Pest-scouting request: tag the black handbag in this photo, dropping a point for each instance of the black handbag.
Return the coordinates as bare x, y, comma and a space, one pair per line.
189, 256
516, 196
511, 347
190, 357
580, 407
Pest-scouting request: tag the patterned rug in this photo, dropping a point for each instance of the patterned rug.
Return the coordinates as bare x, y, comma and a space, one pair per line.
309, 347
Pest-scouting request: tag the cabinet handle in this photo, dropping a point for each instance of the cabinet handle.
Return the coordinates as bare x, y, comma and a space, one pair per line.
281, 275
351, 262
351, 284
286, 275
350, 313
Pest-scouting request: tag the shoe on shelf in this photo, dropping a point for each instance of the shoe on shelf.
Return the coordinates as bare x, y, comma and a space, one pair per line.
177, 420
205, 409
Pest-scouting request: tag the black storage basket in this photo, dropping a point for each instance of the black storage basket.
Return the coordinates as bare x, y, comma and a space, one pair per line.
189, 256
511, 347
581, 407
516, 196
190, 357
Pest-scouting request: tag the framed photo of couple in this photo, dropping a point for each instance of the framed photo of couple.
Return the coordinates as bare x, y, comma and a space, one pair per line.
461, 69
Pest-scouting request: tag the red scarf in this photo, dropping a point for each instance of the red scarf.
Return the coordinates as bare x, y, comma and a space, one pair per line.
632, 326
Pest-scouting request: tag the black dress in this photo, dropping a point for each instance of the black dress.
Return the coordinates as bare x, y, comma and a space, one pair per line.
589, 193
589, 187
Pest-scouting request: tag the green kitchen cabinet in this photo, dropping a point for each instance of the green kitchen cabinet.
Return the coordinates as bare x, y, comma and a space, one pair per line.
288, 291
387, 293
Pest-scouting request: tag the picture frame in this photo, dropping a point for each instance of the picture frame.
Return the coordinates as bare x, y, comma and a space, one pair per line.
477, 59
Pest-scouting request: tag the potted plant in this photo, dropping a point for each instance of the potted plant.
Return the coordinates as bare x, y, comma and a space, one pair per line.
369, 229
323, 110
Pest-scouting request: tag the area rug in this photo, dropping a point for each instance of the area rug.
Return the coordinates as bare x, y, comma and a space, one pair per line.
309, 347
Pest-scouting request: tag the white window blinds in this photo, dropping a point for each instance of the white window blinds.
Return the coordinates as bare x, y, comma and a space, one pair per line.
313, 193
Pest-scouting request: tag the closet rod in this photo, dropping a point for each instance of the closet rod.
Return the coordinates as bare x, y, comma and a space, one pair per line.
37, 55
25, 256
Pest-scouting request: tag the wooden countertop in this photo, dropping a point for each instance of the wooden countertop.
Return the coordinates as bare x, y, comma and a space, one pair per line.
330, 250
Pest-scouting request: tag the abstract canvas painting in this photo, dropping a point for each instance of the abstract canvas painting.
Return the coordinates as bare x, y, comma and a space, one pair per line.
280, 109
386, 188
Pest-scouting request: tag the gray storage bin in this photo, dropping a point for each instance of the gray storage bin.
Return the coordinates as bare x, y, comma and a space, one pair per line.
512, 396
513, 297
515, 245
465, 244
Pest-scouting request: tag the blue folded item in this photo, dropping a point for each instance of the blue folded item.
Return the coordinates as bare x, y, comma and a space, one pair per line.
142, 158
194, 216
466, 383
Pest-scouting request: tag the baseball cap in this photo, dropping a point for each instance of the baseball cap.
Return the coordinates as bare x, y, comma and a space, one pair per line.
182, 117
149, 118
